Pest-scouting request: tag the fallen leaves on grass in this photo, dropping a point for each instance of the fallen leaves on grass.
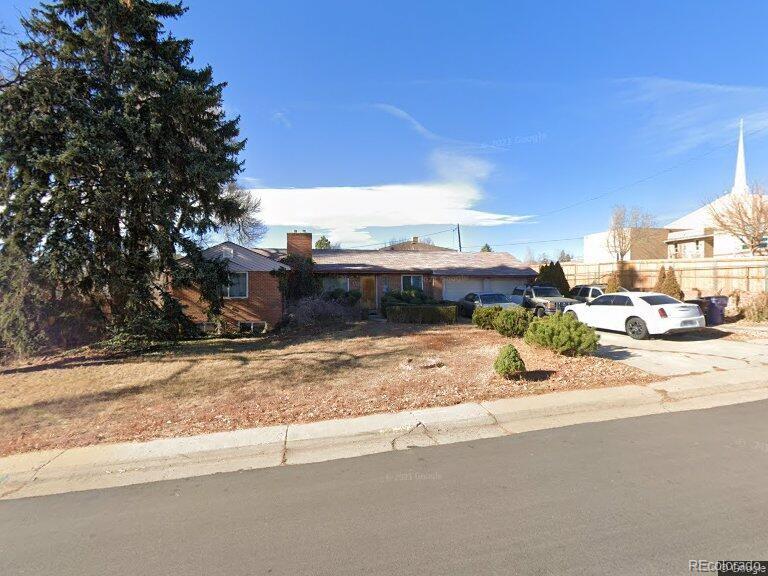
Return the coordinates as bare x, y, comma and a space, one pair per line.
217, 385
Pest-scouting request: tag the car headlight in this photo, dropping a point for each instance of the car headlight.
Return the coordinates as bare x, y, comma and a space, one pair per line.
551, 305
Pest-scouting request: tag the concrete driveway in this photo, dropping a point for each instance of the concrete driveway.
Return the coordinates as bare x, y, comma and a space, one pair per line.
689, 353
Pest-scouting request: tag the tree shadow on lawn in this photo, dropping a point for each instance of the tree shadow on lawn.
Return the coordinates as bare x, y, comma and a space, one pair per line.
220, 346
69, 362
295, 369
72, 406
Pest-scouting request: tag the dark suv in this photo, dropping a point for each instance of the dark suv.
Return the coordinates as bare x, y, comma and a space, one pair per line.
588, 292
543, 299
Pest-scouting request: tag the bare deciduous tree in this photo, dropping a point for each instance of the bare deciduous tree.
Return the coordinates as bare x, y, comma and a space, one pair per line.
565, 256
12, 65
744, 216
627, 230
424, 240
246, 228
529, 257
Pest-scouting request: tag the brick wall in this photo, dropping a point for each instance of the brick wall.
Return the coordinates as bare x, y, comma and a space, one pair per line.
264, 302
300, 243
392, 282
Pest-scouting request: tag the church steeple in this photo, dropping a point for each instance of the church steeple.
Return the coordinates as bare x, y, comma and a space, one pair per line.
740, 185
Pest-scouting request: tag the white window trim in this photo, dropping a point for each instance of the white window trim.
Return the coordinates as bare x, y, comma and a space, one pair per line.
403, 276
247, 288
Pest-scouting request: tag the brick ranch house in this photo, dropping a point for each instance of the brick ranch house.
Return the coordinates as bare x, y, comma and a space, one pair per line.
254, 298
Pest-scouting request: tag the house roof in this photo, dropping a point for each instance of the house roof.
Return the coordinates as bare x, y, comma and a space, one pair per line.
702, 217
242, 259
415, 246
439, 263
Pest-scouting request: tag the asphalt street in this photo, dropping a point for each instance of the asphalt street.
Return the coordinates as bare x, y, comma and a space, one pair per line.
635, 496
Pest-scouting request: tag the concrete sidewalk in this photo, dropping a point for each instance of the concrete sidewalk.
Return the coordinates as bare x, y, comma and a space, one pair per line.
102, 466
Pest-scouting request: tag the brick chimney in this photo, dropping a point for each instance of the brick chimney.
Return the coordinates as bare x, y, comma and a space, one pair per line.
300, 243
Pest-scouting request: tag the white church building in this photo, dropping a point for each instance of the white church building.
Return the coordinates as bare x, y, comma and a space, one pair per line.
691, 236
695, 235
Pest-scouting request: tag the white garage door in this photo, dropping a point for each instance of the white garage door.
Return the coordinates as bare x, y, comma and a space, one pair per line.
456, 288
504, 286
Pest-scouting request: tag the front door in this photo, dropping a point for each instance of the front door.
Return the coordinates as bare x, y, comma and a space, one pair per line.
368, 289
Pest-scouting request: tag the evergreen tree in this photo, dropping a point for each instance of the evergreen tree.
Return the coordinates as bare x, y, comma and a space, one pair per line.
552, 273
559, 280
660, 280
115, 154
545, 274
323, 243
671, 286
486, 248
300, 280
22, 308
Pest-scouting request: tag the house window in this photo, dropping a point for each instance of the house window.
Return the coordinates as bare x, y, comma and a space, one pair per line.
331, 283
238, 285
252, 327
385, 284
413, 282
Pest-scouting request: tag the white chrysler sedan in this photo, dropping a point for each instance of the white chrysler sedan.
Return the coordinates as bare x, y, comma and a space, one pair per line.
639, 314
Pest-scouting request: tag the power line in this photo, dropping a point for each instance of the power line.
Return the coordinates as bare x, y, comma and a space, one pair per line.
619, 188
647, 178
524, 243
587, 200
420, 236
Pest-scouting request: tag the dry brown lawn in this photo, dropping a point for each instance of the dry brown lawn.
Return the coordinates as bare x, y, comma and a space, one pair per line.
215, 385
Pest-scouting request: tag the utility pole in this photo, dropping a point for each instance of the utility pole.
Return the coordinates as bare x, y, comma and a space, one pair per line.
458, 229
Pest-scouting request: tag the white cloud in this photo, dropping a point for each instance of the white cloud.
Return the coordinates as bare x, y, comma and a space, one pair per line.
654, 87
452, 166
410, 120
281, 117
249, 181
683, 115
347, 211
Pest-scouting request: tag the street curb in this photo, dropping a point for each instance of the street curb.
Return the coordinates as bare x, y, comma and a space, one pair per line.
110, 465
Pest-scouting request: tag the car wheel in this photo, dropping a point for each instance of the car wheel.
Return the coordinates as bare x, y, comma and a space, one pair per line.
539, 312
637, 329
572, 314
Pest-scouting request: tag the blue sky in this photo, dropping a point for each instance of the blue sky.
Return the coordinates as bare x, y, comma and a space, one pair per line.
373, 120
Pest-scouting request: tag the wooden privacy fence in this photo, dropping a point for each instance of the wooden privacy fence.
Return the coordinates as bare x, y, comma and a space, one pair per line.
709, 275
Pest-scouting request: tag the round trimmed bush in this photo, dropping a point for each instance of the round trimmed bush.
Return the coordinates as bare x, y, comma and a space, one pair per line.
483, 317
564, 334
508, 363
512, 321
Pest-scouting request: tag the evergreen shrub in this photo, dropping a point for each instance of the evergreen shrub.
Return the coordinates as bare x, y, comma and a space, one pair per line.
564, 334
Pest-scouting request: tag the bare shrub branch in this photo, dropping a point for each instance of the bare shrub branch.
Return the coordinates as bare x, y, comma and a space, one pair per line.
628, 229
744, 216
244, 226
